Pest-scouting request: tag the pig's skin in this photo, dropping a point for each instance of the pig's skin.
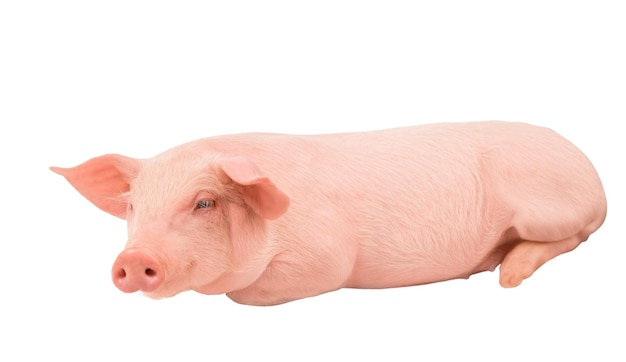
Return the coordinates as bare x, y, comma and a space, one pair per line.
296, 216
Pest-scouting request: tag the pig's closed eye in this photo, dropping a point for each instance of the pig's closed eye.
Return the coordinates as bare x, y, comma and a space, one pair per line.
205, 204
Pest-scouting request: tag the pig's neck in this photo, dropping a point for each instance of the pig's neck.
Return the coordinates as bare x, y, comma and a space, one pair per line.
295, 270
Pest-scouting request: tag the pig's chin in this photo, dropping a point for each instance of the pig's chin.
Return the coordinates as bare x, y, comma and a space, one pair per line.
208, 290
224, 284
162, 293
212, 288
156, 295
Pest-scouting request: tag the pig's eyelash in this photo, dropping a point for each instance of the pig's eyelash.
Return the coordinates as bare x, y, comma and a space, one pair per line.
205, 204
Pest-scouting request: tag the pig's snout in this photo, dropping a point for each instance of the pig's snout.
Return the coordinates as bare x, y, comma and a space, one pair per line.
136, 270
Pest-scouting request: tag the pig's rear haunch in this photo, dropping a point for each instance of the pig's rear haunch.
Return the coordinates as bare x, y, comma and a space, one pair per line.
270, 218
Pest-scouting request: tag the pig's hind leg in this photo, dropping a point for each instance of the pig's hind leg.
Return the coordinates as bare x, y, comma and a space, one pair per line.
527, 255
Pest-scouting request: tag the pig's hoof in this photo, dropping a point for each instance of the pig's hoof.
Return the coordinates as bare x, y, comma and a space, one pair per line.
520, 263
512, 276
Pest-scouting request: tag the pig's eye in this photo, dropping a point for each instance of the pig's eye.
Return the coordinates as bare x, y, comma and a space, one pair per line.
205, 204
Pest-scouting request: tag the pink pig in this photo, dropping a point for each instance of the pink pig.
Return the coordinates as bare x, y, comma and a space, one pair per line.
270, 218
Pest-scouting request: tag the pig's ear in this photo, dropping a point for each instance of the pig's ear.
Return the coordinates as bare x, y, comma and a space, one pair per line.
102, 180
259, 192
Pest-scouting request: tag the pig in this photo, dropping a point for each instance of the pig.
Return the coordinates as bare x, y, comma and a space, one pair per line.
271, 218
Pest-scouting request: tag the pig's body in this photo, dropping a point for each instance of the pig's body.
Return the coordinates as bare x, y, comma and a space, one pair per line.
377, 209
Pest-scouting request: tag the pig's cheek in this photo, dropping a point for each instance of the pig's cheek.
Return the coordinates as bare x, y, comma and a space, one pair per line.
208, 254
249, 233
214, 259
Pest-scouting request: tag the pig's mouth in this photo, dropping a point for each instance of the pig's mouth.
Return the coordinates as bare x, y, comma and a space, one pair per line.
180, 281
167, 289
172, 285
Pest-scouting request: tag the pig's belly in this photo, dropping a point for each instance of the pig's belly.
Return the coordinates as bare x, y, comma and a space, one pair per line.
396, 267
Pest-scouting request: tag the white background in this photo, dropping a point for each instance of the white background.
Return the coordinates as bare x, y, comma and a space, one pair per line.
79, 79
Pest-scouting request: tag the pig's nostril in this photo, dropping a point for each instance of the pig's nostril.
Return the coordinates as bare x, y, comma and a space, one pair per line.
121, 273
150, 272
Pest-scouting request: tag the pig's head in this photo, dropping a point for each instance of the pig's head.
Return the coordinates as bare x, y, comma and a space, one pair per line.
196, 220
